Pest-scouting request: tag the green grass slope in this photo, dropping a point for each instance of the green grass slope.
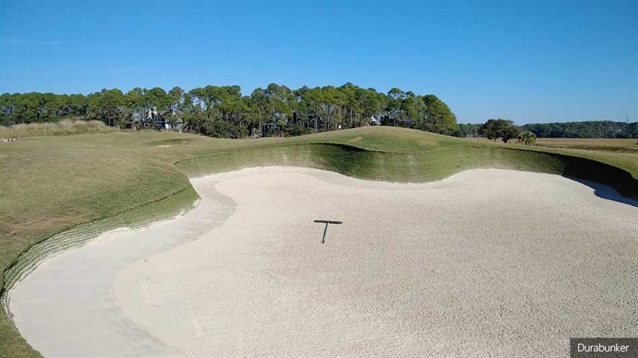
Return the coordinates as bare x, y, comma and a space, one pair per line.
66, 190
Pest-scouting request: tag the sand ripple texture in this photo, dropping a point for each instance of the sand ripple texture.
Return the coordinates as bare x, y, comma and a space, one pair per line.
487, 263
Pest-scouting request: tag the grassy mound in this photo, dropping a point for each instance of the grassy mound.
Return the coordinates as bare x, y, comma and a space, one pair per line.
66, 190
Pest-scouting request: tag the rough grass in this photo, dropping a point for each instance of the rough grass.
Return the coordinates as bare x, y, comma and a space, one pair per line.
61, 128
53, 184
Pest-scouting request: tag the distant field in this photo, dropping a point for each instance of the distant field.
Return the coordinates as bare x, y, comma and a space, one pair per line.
590, 143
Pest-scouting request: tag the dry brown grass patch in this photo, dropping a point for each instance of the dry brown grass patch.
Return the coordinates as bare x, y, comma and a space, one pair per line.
61, 128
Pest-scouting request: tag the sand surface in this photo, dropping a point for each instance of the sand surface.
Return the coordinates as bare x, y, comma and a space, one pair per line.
487, 263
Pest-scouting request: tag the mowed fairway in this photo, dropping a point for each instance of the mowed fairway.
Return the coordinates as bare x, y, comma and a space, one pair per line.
485, 263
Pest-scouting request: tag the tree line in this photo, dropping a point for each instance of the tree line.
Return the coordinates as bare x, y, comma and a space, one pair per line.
222, 111
587, 129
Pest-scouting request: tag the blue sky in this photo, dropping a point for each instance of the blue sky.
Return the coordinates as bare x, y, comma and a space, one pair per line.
529, 61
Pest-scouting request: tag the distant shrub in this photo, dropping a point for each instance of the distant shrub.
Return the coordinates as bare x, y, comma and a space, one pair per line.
63, 127
527, 138
295, 130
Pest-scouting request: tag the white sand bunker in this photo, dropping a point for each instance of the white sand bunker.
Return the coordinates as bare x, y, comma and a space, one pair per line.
486, 263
